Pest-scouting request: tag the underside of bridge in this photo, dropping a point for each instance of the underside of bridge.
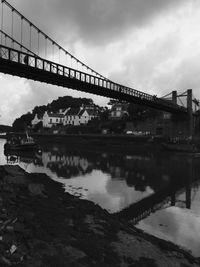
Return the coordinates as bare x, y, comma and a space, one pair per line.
36, 74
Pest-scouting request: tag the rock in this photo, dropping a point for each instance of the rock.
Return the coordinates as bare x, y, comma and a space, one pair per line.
73, 253
18, 179
14, 170
19, 227
36, 189
13, 249
6, 261
62, 230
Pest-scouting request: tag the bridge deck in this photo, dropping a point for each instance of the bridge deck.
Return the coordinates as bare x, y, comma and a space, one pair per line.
29, 66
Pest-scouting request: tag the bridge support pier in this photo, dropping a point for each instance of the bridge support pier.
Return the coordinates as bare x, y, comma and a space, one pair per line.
190, 115
174, 97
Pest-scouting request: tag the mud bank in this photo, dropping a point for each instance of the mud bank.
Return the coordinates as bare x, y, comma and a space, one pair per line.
41, 226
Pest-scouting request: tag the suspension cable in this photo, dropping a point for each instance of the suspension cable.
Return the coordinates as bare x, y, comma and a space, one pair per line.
2, 4
45, 47
51, 40
18, 43
21, 30
38, 43
30, 38
12, 23
181, 102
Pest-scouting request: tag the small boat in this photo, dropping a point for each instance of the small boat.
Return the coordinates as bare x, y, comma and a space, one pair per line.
18, 143
181, 147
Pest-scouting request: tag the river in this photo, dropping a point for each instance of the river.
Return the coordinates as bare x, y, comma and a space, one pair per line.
156, 191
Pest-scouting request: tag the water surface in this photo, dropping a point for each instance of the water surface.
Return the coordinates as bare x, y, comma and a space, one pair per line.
157, 191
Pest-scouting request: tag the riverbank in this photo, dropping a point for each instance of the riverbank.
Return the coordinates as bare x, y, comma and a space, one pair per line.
118, 143
40, 225
91, 137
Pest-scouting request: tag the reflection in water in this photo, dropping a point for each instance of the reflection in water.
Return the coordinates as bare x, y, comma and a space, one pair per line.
159, 193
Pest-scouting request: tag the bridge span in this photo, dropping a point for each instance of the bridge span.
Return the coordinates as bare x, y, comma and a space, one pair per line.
30, 66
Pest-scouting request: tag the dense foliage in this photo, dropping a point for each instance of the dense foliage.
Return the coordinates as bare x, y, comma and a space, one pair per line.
23, 122
5, 128
68, 101
140, 113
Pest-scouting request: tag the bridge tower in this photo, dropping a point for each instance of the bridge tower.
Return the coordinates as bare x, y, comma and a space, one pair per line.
174, 97
190, 112
186, 123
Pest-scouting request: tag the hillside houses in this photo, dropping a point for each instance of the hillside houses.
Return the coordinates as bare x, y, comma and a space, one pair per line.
52, 119
118, 111
70, 116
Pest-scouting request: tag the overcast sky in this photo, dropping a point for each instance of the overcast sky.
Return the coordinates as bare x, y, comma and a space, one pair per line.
150, 45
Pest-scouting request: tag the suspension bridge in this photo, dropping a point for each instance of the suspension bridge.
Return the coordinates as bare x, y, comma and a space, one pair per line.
27, 51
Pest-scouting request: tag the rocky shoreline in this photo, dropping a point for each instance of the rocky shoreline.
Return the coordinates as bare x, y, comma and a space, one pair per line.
41, 226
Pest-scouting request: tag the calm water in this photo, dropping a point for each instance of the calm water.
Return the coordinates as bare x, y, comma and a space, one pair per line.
158, 192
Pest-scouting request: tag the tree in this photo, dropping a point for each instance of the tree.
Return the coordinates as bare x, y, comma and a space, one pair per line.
140, 113
40, 110
104, 114
24, 121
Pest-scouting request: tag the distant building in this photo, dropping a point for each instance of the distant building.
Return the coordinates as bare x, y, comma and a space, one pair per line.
118, 111
69, 116
86, 115
72, 117
78, 116
52, 119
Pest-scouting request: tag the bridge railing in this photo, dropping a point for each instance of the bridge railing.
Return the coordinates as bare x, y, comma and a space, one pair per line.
34, 61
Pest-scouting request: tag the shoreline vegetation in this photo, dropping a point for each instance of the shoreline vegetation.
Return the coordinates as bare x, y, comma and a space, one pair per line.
40, 225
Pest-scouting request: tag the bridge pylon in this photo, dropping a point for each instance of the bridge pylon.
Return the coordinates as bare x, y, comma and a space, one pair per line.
190, 112
174, 97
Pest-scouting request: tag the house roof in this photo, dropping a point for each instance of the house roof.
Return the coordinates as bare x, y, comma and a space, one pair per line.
79, 112
89, 112
73, 112
124, 106
56, 115
92, 112
82, 111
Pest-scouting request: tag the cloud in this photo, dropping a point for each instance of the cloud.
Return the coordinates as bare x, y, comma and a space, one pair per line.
12, 94
93, 21
19, 96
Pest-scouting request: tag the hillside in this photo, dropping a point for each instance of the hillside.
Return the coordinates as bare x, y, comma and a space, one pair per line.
61, 103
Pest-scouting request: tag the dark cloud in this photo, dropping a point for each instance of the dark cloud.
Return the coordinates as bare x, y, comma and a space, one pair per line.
92, 21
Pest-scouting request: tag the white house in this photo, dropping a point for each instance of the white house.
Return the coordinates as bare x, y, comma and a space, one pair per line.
72, 117
78, 116
86, 115
52, 119
118, 111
